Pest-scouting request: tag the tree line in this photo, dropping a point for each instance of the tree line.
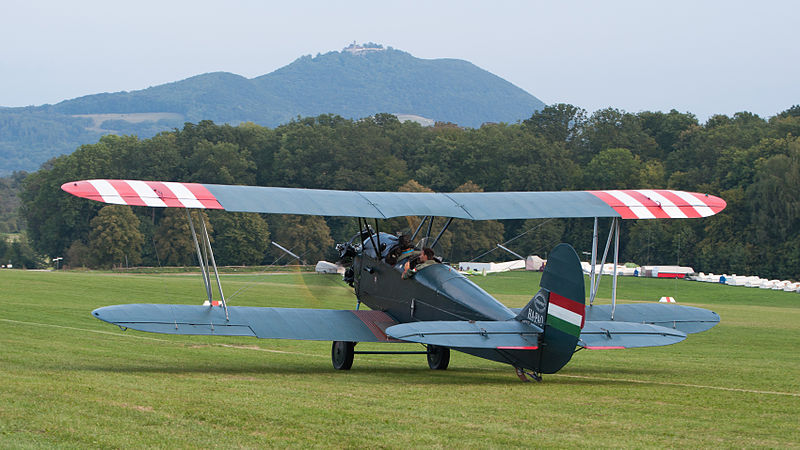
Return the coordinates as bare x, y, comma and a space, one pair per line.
751, 162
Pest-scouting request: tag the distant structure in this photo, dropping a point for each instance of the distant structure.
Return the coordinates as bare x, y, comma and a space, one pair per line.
424, 121
369, 47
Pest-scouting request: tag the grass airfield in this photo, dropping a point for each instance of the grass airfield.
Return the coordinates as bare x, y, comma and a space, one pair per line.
69, 380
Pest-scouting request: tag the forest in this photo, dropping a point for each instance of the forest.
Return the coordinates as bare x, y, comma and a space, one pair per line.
751, 162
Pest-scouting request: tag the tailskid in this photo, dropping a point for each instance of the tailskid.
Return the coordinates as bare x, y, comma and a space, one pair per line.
523, 375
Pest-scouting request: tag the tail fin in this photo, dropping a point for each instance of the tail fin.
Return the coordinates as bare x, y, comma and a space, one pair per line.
558, 308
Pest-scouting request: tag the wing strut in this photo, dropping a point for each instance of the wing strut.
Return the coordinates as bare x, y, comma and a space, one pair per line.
594, 285
200, 258
444, 228
594, 263
378, 249
216, 272
595, 279
419, 227
615, 226
204, 262
370, 233
428, 233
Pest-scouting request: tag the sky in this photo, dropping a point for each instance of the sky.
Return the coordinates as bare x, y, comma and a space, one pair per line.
703, 57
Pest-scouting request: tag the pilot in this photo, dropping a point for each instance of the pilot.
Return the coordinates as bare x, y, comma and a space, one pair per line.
414, 265
401, 251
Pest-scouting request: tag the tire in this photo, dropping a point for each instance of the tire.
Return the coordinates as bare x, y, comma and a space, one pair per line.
342, 355
438, 357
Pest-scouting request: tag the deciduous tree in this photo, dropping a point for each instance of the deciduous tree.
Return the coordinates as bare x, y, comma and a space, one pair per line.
114, 238
241, 238
173, 236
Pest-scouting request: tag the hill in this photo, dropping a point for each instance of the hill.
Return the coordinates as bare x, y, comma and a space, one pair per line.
350, 83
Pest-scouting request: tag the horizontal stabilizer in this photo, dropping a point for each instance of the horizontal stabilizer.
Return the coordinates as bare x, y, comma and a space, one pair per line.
265, 323
614, 334
683, 318
511, 334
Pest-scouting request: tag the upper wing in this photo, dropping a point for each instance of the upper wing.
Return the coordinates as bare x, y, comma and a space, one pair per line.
627, 204
509, 334
267, 323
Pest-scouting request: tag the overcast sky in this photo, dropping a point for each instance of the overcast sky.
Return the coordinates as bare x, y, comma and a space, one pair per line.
704, 57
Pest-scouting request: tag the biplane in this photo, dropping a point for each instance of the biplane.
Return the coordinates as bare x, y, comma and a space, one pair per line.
435, 306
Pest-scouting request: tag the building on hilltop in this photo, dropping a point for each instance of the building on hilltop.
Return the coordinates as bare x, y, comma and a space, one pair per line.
356, 49
424, 121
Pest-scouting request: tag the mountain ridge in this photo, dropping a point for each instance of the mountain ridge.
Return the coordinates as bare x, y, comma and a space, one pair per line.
350, 83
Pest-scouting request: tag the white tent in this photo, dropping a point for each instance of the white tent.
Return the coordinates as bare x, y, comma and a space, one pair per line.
666, 271
476, 267
534, 262
328, 267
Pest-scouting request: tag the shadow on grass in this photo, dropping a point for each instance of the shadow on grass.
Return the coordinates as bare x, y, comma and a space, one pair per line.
418, 375
398, 374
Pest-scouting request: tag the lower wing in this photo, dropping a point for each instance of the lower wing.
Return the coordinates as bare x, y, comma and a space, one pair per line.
683, 318
642, 325
316, 325
606, 335
266, 323
635, 325
508, 334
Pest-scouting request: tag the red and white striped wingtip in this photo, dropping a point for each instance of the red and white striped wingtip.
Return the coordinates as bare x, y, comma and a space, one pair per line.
661, 203
161, 194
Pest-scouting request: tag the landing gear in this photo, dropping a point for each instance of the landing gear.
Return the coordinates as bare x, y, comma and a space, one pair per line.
521, 373
342, 354
438, 357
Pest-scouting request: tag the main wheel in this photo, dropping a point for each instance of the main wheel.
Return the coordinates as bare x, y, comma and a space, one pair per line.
438, 357
342, 354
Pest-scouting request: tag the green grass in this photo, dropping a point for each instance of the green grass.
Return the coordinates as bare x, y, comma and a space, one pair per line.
69, 380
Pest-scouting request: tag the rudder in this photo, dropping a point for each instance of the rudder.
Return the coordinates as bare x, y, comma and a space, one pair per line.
558, 308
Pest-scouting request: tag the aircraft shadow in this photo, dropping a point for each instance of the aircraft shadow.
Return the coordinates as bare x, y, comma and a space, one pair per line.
419, 375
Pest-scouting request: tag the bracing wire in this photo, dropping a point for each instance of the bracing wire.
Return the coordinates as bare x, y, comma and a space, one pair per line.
512, 239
